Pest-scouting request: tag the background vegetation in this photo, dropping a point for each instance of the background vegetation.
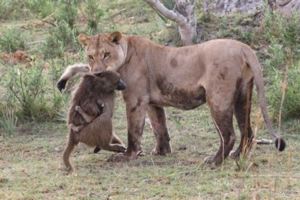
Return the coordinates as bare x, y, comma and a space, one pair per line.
32, 111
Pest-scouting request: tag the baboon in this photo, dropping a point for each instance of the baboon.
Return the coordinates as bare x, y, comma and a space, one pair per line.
90, 114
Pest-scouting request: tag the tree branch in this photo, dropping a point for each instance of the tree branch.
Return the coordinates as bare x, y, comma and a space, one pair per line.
170, 14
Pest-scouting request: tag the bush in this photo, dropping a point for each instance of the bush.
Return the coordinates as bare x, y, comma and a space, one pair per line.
61, 38
32, 93
13, 9
12, 40
67, 12
42, 8
8, 121
282, 64
291, 106
94, 13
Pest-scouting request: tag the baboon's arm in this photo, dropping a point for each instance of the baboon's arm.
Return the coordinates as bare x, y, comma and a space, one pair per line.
87, 118
75, 128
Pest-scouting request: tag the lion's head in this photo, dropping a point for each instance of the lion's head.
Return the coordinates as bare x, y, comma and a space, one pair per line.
104, 51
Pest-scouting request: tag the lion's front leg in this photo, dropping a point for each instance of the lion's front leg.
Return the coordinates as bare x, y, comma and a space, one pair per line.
136, 121
158, 122
136, 112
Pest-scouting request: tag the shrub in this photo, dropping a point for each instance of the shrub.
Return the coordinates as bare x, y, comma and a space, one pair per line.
12, 9
282, 64
94, 13
32, 93
42, 8
291, 105
8, 121
13, 39
67, 12
60, 39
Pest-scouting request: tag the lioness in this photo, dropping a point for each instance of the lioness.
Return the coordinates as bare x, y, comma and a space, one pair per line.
159, 76
90, 114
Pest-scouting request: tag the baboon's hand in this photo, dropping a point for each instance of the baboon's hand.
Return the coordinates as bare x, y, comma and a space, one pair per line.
61, 84
77, 108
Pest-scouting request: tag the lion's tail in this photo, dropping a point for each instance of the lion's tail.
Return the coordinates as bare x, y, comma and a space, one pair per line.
253, 63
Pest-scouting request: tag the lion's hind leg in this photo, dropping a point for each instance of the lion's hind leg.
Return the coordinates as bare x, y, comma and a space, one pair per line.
223, 121
242, 109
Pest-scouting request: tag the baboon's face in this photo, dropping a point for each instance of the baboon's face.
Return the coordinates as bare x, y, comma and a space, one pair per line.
106, 81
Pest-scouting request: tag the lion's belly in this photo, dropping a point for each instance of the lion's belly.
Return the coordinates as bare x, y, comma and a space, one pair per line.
167, 94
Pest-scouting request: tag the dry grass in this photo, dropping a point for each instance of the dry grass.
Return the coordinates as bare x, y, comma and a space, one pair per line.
31, 166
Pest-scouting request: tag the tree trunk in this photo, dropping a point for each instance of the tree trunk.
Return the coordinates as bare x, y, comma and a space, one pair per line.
183, 14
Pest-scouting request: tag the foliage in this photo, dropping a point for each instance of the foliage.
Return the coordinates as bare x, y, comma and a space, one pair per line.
12, 9
67, 12
8, 121
60, 39
94, 14
291, 106
13, 39
42, 8
282, 63
30, 93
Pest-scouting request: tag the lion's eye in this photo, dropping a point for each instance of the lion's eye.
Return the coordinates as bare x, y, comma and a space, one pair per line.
106, 55
91, 58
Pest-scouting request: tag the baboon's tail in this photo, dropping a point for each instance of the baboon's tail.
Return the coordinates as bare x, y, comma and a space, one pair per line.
255, 66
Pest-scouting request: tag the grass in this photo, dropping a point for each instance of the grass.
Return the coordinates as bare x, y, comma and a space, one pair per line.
30, 158
31, 166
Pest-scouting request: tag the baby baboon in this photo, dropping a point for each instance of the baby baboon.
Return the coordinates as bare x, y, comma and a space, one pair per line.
90, 114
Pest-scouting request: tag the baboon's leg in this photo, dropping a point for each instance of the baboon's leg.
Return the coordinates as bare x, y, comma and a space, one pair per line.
116, 140
115, 147
68, 150
97, 149
87, 118
242, 109
158, 122
224, 126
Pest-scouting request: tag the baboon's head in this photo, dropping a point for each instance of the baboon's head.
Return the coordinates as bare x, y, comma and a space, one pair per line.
106, 81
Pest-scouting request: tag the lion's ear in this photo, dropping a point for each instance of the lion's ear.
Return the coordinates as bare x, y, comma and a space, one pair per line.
84, 39
115, 37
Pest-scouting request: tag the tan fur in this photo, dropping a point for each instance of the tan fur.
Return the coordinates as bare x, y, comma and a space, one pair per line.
90, 114
220, 72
